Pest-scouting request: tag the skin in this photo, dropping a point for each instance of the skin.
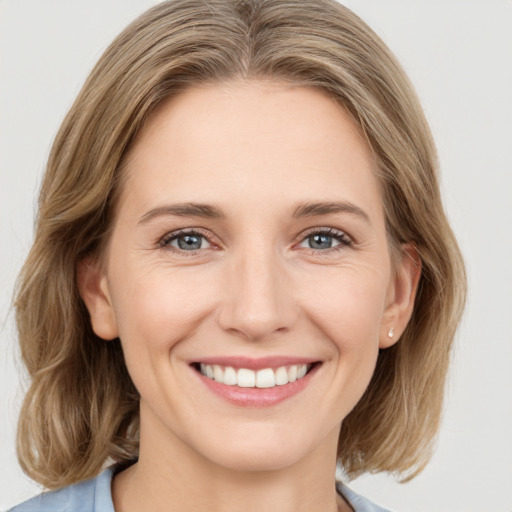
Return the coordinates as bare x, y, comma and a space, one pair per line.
254, 288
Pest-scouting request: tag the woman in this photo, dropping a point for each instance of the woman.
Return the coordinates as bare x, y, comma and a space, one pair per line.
242, 271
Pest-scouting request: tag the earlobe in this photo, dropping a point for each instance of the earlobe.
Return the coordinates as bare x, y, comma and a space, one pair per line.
93, 288
401, 296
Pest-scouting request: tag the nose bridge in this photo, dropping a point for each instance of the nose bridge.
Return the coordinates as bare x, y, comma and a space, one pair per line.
257, 300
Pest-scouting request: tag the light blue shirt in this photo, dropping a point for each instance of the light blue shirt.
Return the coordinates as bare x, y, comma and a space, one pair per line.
95, 496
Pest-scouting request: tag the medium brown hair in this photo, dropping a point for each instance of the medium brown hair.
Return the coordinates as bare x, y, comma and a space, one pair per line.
81, 409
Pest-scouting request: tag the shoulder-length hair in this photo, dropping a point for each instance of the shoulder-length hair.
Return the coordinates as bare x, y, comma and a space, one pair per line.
81, 409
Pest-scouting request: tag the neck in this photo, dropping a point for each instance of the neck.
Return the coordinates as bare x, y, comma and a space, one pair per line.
171, 476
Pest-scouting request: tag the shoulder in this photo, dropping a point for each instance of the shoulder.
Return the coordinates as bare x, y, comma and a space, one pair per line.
359, 503
89, 496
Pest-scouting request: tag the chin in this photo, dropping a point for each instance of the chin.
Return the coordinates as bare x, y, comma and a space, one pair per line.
264, 450
257, 459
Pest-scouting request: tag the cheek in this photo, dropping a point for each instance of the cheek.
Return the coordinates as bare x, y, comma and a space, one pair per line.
349, 306
349, 315
155, 314
155, 311
159, 312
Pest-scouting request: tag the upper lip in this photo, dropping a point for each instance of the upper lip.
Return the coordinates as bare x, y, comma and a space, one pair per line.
255, 363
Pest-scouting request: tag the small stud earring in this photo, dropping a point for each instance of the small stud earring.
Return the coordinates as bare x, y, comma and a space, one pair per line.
391, 332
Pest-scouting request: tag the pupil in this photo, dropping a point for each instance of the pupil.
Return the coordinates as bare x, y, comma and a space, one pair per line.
320, 241
189, 242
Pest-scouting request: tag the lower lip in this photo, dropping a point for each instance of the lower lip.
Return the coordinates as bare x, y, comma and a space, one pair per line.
257, 397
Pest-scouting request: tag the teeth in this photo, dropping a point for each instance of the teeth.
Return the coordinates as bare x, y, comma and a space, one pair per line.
230, 377
218, 373
265, 378
245, 378
302, 371
281, 376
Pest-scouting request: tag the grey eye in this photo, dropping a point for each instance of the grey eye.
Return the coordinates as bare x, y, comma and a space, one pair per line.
189, 242
321, 241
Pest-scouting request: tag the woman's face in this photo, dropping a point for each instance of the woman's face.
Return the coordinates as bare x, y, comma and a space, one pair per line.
250, 245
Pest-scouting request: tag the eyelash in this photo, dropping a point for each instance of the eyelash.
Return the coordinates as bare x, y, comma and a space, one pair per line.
165, 242
343, 239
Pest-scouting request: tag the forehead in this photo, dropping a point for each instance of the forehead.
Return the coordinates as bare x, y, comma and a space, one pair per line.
263, 141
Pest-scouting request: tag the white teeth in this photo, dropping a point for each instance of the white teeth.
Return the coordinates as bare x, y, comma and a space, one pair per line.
218, 373
230, 376
302, 371
265, 378
281, 376
245, 378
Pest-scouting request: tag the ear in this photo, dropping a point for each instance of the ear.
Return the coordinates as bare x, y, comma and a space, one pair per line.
401, 295
93, 288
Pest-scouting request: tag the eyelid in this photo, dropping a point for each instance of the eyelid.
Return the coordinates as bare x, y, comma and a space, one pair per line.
164, 241
342, 236
325, 230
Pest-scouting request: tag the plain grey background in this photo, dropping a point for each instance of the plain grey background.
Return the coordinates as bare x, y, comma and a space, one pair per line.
458, 53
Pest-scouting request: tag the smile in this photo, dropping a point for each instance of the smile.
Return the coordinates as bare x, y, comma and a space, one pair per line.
263, 382
247, 378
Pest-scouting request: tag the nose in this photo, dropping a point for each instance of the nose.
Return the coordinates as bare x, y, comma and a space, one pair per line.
257, 297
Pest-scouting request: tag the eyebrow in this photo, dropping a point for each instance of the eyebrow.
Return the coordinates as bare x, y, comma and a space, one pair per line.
325, 208
205, 211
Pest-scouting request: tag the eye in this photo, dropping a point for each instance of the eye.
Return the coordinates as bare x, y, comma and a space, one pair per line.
188, 241
325, 239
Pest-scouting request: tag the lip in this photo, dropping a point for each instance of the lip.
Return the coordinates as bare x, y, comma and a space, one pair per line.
257, 397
